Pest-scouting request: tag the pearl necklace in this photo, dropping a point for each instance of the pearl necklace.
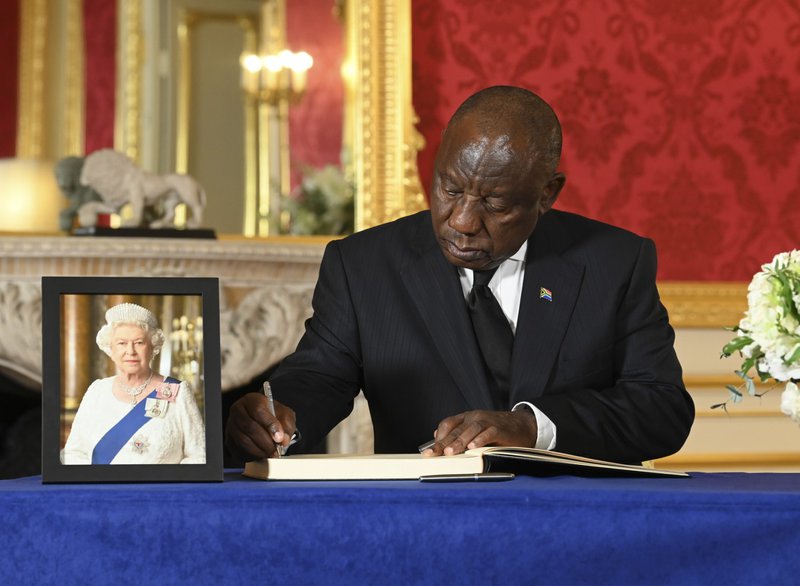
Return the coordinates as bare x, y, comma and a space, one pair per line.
134, 392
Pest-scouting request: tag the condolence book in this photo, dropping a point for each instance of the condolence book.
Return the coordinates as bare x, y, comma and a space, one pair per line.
528, 461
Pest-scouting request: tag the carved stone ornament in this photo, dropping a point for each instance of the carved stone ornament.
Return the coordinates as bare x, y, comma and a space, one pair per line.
265, 326
21, 329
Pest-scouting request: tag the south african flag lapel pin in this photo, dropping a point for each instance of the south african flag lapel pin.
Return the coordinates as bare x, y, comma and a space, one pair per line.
545, 294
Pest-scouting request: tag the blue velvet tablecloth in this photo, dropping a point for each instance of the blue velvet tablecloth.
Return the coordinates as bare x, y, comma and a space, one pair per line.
711, 528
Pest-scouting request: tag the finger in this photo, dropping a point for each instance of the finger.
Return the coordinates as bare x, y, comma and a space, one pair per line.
443, 432
249, 437
244, 447
252, 427
253, 450
486, 437
258, 410
461, 437
288, 420
436, 450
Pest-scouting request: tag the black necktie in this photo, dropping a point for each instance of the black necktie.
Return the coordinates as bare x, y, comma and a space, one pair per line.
494, 335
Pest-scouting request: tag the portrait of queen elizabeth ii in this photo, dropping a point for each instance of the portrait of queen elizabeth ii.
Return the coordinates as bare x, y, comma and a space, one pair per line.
136, 416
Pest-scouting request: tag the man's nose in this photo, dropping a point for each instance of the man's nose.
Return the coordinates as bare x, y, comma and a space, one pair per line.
465, 218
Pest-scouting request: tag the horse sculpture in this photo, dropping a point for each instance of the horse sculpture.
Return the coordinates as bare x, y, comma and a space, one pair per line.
118, 181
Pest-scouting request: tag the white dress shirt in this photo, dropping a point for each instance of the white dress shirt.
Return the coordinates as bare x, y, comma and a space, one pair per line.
506, 285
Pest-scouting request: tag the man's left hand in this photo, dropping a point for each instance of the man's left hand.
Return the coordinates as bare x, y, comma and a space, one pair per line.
475, 429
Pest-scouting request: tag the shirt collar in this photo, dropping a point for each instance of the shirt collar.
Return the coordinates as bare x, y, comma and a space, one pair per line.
520, 255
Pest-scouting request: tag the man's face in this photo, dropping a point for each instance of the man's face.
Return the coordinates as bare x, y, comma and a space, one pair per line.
487, 195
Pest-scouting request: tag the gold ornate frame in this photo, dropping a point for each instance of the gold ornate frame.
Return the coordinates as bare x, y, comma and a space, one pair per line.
693, 304
44, 132
380, 136
383, 139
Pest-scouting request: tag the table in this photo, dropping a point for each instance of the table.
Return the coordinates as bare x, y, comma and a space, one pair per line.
732, 528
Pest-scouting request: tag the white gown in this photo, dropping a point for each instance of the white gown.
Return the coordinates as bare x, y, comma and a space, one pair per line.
177, 438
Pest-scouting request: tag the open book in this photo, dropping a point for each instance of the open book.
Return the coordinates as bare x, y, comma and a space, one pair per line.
528, 461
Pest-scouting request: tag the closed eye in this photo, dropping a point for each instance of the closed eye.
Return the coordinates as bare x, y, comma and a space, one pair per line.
495, 204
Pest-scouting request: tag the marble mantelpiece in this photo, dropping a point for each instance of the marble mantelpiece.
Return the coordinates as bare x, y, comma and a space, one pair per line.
265, 296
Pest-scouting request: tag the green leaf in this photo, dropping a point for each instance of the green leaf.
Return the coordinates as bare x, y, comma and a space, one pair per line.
794, 357
747, 366
751, 387
736, 344
735, 395
785, 293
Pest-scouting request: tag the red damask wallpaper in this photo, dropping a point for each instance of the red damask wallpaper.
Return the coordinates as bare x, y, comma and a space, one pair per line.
99, 23
681, 119
315, 123
9, 66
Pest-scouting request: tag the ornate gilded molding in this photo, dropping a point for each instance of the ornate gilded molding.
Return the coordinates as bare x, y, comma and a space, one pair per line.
30, 121
711, 381
704, 304
185, 22
130, 51
733, 461
383, 139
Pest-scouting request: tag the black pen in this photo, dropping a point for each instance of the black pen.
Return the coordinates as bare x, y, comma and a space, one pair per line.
477, 477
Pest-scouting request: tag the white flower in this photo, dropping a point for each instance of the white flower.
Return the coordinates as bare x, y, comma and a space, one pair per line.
768, 336
790, 401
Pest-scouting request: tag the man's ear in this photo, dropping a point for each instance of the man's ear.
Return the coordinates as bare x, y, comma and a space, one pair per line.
551, 191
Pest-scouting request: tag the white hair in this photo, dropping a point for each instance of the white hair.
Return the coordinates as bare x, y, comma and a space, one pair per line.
132, 315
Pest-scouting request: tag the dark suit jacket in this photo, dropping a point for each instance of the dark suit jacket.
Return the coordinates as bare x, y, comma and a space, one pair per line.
390, 318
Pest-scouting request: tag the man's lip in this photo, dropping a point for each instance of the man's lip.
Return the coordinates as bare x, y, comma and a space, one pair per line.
463, 253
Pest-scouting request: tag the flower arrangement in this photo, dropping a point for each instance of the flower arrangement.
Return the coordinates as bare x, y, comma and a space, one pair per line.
323, 203
768, 336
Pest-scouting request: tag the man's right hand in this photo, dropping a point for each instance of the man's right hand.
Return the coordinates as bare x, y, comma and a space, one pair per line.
253, 433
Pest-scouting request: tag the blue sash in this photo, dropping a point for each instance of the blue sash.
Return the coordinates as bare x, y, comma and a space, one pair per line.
116, 437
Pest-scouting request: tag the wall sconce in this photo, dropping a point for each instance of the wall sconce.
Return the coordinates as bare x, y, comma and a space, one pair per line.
276, 77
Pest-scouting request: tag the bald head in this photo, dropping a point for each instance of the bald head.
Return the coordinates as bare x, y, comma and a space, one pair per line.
495, 176
517, 112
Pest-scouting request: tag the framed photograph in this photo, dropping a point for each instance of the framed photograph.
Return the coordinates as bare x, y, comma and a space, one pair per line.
131, 380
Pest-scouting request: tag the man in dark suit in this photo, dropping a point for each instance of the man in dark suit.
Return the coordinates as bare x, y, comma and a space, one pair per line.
586, 365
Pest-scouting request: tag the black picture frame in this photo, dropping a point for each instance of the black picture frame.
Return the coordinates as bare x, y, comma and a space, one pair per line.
54, 290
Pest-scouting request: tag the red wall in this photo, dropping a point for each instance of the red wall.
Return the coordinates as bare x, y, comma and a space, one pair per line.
681, 119
9, 68
100, 30
315, 123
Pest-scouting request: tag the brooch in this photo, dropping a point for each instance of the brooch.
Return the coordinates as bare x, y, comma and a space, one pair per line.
155, 407
139, 444
167, 392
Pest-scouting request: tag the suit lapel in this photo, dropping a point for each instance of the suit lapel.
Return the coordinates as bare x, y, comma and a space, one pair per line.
434, 287
542, 323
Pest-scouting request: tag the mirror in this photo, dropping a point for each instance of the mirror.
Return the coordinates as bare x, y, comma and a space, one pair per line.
180, 91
